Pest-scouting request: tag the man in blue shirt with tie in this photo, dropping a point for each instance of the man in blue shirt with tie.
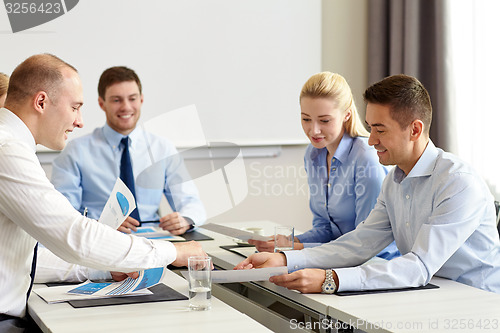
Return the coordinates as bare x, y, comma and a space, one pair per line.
86, 170
436, 207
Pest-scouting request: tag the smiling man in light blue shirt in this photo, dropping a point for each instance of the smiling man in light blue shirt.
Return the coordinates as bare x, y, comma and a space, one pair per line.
436, 207
86, 170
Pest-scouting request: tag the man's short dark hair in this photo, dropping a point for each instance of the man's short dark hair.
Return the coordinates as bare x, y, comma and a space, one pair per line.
116, 75
407, 98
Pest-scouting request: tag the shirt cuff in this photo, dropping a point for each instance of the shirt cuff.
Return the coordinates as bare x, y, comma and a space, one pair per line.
295, 260
307, 245
167, 252
301, 238
349, 278
97, 275
191, 222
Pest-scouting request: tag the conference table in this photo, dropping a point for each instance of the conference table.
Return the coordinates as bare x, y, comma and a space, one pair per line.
453, 307
262, 306
172, 316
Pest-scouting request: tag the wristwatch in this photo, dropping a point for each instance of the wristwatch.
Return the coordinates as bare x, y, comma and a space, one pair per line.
329, 285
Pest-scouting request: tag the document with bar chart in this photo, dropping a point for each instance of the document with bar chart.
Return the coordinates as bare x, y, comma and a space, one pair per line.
146, 279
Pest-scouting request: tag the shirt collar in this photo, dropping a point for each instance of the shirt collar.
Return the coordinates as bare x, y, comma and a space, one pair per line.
113, 137
424, 166
342, 152
344, 148
17, 127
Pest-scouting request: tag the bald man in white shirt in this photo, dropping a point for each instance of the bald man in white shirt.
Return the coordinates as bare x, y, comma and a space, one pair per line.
43, 106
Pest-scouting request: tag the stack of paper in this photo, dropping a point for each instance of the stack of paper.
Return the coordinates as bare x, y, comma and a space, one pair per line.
86, 290
233, 232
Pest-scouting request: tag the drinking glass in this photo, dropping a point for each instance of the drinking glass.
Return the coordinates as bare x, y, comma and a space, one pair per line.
200, 283
283, 238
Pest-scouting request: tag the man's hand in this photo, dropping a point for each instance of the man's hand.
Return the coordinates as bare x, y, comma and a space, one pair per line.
268, 246
305, 280
118, 276
261, 260
186, 250
263, 246
174, 223
130, 224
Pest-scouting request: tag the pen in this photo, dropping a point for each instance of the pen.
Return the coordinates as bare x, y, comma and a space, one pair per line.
85, 212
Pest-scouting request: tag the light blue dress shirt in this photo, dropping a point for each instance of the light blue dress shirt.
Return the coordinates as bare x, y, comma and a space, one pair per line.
87, 169
442, 217
341, 201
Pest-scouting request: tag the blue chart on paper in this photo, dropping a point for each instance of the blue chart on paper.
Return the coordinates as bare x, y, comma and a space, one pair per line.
161, 237
89, 288
123, 202
144, 230
151, 233
124, 288
149, 278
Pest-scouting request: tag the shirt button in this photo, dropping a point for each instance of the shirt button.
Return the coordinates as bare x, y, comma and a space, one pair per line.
407, 196
296, 267
407, 224
329, 185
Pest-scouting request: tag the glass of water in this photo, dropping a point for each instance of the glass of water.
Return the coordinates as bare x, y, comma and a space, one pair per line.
283, 238
200, 283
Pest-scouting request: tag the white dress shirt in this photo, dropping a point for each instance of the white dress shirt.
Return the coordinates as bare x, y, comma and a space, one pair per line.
32, 209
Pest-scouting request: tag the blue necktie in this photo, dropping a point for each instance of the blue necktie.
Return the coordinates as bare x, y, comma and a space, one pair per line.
127, 175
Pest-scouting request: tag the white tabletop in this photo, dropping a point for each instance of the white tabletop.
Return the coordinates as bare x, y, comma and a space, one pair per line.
454, 307
172, 316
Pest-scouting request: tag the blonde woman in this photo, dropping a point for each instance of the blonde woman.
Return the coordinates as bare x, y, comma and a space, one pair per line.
344, 174
4, 84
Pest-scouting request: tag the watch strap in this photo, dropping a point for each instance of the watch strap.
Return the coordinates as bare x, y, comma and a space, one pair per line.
329, 286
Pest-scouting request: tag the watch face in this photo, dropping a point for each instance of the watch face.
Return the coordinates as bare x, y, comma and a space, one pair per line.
329, 285
329, 288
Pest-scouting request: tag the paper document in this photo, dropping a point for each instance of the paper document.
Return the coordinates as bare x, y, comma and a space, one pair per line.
244, 275
146, 279
245, 251
233, 232
154, 232
120, 204
86, 290
60, 294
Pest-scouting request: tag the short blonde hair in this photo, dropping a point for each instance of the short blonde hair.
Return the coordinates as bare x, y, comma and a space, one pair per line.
333, 86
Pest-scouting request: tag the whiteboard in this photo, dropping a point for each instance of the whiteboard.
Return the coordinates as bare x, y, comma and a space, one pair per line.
241, 62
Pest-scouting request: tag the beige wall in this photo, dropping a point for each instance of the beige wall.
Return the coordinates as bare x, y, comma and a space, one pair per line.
278, 185
345, 52
345, 43
277, 191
